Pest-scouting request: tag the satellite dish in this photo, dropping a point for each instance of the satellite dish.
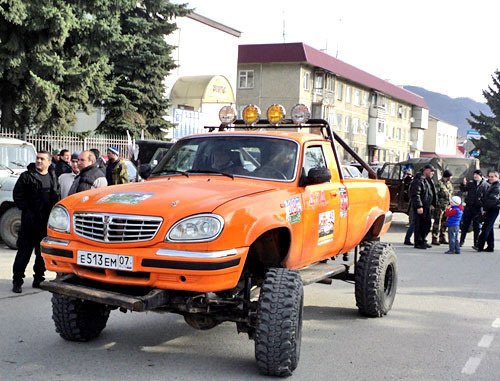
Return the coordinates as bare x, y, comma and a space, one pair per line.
412, 120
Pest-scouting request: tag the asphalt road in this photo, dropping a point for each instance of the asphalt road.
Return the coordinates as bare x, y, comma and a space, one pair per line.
444, 325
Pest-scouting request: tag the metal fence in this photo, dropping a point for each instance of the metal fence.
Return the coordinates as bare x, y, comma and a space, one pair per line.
71, 141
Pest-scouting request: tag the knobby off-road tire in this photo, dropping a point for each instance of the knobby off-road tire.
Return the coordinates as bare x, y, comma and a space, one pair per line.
77, 319
279, 323
376, 278
10, 223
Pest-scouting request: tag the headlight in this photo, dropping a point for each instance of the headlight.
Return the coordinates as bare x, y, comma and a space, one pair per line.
199, 228
59, 219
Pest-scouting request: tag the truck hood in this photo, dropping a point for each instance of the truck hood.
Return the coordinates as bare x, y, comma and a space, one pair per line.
173, 197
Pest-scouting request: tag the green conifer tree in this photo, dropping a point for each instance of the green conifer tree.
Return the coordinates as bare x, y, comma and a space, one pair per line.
141, 61
54, 59
489, 127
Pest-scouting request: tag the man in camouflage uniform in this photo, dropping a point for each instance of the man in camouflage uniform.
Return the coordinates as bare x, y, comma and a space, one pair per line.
444, 189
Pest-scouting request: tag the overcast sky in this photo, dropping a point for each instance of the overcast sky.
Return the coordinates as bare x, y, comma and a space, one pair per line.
445, 46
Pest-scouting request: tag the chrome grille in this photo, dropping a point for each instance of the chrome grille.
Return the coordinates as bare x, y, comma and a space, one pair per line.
105, 227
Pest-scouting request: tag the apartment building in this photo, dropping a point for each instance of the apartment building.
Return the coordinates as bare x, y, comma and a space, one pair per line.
381, 121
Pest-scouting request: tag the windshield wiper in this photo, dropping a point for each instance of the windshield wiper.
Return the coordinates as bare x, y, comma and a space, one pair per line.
211, 171
165, 171
4, 166
18, 163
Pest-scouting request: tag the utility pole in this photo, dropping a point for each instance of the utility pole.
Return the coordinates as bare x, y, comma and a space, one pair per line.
284, 34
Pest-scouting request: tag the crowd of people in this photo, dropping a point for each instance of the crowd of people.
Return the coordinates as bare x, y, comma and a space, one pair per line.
436, 202
47, 180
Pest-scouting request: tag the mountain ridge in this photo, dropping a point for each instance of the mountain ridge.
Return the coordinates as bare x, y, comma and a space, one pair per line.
450, 110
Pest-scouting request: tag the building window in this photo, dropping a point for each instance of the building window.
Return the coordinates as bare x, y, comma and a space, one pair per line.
318, 81
393, 109
245, 80
347, 123
355, 125
330, 83
331, 116
381, 126
339, 122
357, 97
307, 79
398, 134
340, 91
348, 94
365, 99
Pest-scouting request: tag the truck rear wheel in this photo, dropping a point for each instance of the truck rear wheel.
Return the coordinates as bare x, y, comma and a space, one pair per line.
10, 223
77, 319
376, 278
279, 322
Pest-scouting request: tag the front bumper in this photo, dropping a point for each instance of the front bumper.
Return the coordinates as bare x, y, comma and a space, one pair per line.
154, 266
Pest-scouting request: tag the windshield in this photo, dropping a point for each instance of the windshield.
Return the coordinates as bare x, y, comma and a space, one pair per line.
256, 157
16, 156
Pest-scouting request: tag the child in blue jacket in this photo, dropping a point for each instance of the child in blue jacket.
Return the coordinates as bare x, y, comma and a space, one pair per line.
454, 214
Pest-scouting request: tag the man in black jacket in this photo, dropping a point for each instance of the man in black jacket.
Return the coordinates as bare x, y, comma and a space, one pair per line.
35, 193
491, 207
423, 196
90, 176
475, 192
64, 163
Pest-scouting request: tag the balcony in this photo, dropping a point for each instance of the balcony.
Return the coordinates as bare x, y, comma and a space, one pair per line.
325, 97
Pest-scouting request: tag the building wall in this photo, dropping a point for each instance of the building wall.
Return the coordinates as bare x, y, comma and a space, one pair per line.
273, 83
440, 137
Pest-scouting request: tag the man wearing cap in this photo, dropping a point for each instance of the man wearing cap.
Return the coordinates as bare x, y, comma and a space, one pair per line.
475, 192
423, 196
444, 191
66, 179
90, 176
54, 158
491, 208
116, 169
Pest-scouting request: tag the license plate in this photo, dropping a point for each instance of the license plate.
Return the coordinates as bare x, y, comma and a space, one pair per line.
105, 260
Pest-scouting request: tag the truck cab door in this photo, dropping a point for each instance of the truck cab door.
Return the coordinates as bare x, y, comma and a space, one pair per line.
393, 176
324, 227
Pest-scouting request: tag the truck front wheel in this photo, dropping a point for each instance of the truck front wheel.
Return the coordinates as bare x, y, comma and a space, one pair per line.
78, 320
376, 278
279, 322
10, 223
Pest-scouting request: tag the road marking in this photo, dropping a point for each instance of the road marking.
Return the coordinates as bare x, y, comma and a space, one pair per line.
496, 323
471, 365
486, 341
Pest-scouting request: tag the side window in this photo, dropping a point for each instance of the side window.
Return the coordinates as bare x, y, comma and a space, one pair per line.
386, 170
314, 158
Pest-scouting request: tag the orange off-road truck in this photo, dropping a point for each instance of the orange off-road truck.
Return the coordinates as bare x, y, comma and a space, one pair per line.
229, 227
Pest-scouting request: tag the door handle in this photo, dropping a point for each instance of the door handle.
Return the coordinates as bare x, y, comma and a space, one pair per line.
333, 193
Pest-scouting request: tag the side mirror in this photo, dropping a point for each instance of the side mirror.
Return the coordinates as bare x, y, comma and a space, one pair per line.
145, 170
316, 176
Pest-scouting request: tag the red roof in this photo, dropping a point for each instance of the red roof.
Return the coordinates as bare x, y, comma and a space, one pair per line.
300, 52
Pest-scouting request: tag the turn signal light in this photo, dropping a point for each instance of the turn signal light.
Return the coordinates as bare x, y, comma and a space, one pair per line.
275, 114
251, 114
